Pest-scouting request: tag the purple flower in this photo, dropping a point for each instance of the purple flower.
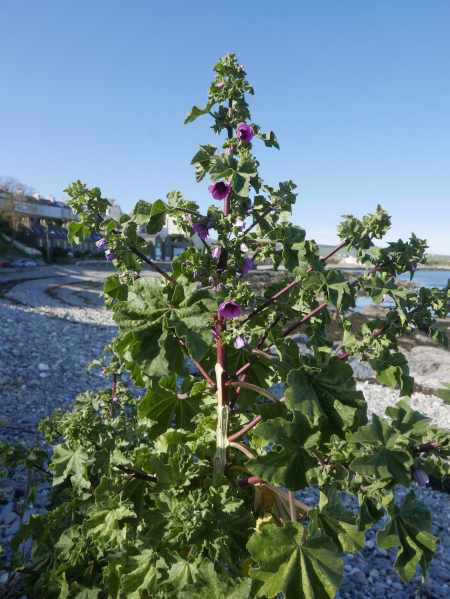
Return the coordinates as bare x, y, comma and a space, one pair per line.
248, 265
214, 332
420, 476
124, 274
102, 244
426, 332
216, 252
386, 298
202, 230
370, 239
239, 342
210, 280
102, 405
412, 266
230, 309
110, 255
248, 209
244, 132
200, 285
220, 85
394, 273
137, 275
252, 304
102, 374
217, 287
128, 384
243, 247
220, 190
115, 399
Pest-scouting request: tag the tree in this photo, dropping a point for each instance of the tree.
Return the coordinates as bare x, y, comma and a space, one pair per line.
12, 195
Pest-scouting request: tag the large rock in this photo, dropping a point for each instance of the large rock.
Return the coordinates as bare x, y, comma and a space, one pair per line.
375, 311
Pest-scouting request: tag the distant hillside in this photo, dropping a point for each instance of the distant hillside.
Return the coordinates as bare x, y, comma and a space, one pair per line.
324, 249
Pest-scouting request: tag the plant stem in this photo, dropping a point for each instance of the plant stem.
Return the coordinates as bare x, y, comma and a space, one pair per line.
223, 392
150, 263
245, 430
294, 283
242, 447
255, 388
198, 365
260, 218
147, 477
292, 506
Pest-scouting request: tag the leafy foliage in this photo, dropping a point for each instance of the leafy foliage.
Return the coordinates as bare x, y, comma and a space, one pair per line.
175, 492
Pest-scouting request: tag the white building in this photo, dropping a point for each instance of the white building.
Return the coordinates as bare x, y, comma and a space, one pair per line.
350, 260
114, 211
170, 227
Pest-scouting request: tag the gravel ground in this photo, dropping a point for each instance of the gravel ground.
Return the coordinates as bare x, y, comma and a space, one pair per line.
44, 313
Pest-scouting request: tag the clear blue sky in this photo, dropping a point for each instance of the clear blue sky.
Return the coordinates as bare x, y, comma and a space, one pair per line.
358, 93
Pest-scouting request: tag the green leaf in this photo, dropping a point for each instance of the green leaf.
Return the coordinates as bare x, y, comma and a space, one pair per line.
141, 575
392, 369
196, 112
292, 465
70, 462
444, 394
269, 139
202, 161
340, 293
209, 586
222, 167
320, 389
157, 217
299, 569
407, 421
102, 525
66, 542
77, 232
385, 461
409, 529
181, 575
142, 212
166, 408
82, 592
368, 513
65, 590
336, 521
113, 290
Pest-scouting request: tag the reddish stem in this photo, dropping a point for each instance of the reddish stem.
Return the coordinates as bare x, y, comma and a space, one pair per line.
260, 218
198, 365
233, 378
252, 480
293, 284
246, 428
150, 263
428, 446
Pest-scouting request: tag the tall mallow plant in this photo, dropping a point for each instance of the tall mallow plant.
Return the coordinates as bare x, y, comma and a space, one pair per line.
189, 492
